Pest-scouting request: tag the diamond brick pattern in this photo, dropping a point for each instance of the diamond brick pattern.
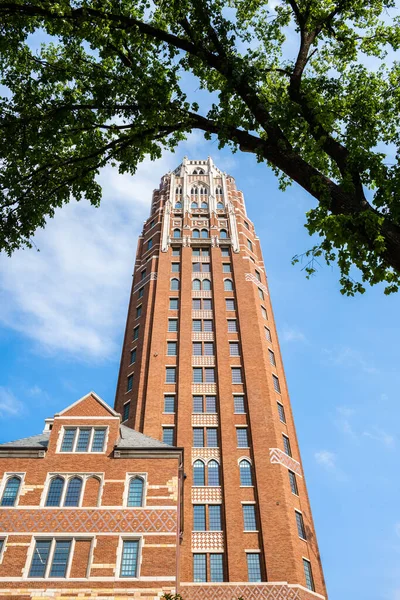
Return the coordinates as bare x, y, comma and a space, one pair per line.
201, 293
88, 521
253, 278
205, 419
205, 453
257, 591
206, 495
202, 314
203, 361
278, 456
204, 388
202, 336
207, 541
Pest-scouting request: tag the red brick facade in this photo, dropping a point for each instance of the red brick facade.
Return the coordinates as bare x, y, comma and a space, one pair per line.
200, 284
92, 517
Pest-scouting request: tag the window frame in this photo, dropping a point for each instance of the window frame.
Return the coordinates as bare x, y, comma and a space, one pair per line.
6, 477
76, 437
120, 553
53, 539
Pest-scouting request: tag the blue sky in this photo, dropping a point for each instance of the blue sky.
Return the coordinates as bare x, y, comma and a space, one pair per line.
62, 313
62, 316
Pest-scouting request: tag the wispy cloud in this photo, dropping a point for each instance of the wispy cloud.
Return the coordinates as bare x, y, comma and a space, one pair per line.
350, 358
326, 459
10, 406
381, 436
343, 420
291, 334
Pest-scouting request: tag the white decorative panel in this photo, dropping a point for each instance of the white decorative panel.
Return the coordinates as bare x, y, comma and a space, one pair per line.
201, 275
149, 277
202, 336
206, 495
202, 314
202, 294
203, 361
205, 454
253, 279
277, 456
204, 388
206, 419
207, 541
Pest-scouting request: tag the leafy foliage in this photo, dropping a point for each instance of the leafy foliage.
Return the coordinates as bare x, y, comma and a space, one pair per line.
107, 85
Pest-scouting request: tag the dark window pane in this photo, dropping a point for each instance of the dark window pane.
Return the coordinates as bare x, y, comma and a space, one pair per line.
73, 494
40, 558
60, 558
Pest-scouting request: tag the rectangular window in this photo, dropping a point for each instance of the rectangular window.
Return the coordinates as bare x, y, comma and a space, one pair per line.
239, 404
129, 383
199, 568
286, 445
249, 517
250, 245
308, 575
214, 517
281, 412
176, 251
260, 294
139, 311
225, 251
196, 325
99, 437
40, 566
246, 225
125, 413
149, 244
136, 333
168, 435
206, 268
198, 437
40, 558
226, 267
195, 251
197, 375
60, 558
197, 404
216, 567
237, 375
172, 324
143, 274
196, 304
242, 437
300, 525
211, 404
230, 304
209, 375
234, 348
169, 404
196, 267
170, 375
175, 267
173, 303
271, 356
129, 560
197, 349
207, 325
133, 356
258, 275
172, 348
207, 304
212, 437
264, 313
199, 517
83, 439
253, 566
208, 348
68, 440
232, 326
277, 387
268, 334
141, 292
87, 436
293, 483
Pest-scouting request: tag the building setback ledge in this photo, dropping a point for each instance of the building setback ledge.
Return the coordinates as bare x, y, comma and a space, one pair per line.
271, 590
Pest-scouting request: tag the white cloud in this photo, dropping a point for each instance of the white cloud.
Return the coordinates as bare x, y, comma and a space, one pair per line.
348, 357
10, 406
343, 421
381, 436
326, 459
291, 334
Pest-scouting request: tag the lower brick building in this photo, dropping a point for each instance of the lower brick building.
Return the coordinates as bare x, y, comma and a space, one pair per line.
89, 509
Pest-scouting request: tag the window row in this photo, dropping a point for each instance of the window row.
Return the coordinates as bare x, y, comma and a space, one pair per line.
197, 233
206, 325
199, 251
83, 439
198, 284
207, 517
203, 404
202, 303
208, 475
210, 567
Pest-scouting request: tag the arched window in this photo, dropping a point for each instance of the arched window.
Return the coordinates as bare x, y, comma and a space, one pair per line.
206, 284
223, 234
11, 491
73, 494
55, 491
135, 493
178, 204
198, 473
246, 477
220, 205
203, 191
204, 233
177, 233
195, 233
178, 191
204, 204
218, 191
213, 473
228, 285
198, 172
196, 284
174, 284
194, 205
194, 191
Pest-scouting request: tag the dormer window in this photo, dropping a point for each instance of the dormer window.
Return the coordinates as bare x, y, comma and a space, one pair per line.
83, 439
198, 172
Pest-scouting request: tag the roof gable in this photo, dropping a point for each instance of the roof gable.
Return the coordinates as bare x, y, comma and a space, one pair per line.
90, 405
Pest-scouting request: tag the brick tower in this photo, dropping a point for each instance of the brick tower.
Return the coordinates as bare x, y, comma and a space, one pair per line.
201, 369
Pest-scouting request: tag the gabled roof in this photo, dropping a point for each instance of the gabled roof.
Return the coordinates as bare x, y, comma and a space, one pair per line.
39, 441
97, 398
129, 438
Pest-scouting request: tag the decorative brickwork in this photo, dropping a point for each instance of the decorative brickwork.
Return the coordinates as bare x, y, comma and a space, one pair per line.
202, 314
253, 278
203, 361
205, 453
207, 541
280, 457
202, 294
204, 388
248, 591
206, 495
206, 419
202, 336
142, 282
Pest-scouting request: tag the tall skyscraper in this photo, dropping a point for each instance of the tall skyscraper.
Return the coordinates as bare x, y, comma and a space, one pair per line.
201, 369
